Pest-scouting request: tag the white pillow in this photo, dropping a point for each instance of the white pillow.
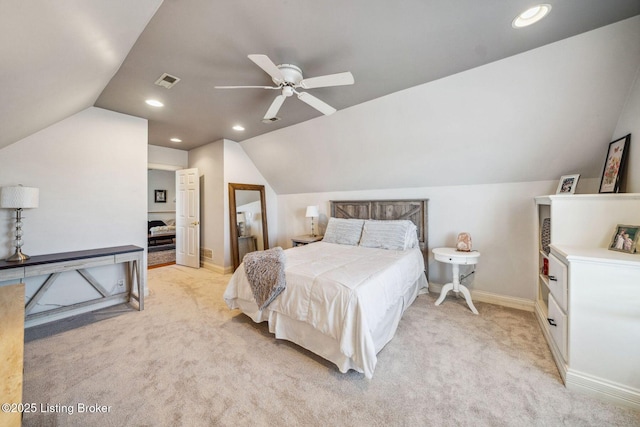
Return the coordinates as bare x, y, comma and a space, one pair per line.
397, 235
343, 231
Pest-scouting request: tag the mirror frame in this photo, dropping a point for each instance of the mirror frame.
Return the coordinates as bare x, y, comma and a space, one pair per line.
233, 228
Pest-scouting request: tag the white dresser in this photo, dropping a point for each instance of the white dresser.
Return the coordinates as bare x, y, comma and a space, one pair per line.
588, 303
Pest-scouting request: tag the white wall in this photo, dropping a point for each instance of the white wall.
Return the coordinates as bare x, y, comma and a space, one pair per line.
164, 158
209, 159
91, 169
161, 180
630, 123
499, 217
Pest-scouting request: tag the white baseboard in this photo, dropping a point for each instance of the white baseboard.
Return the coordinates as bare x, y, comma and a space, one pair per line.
603, 389
215, 267
491, 298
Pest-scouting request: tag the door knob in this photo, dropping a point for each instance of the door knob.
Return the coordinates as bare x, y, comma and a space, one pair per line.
195, 223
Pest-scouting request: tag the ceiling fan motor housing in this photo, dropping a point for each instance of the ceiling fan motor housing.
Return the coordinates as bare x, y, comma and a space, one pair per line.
291, 73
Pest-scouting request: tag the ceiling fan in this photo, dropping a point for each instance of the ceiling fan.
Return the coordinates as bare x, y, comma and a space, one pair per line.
288, 79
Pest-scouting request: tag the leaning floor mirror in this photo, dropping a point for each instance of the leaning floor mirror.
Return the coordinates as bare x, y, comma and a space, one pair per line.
247, 220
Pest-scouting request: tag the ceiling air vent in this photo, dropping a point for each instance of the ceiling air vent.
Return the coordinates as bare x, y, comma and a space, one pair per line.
167, 81
270, 119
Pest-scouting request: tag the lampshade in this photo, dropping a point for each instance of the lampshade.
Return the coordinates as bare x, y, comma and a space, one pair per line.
312, 212
19, 197
240, 217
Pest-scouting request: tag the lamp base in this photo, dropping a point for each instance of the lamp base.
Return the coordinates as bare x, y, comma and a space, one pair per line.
18, 256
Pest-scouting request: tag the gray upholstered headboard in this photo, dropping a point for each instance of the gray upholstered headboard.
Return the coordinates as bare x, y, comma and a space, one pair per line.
413, 210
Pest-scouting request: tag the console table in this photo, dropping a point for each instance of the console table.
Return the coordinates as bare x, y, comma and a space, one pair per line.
52, 265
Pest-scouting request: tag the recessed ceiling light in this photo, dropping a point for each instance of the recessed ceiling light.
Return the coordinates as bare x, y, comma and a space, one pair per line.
175, 140
238, 128
531, 16
154, 103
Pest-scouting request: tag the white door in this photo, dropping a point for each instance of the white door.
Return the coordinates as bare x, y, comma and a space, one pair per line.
188, 218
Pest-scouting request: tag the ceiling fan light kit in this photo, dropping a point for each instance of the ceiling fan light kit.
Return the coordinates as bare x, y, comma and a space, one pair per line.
288, 78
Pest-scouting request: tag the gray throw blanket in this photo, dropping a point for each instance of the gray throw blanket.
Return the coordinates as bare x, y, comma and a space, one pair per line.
265, 272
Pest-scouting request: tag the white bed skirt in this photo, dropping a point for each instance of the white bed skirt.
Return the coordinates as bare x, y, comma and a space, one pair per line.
327, 347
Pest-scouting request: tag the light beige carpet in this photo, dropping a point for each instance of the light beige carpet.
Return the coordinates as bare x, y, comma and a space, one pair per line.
187, 360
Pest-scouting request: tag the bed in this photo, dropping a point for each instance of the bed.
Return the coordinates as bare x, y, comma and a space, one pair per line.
159, 232
345, 295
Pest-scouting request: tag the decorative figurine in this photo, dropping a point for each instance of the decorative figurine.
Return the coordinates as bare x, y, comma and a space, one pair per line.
464, 242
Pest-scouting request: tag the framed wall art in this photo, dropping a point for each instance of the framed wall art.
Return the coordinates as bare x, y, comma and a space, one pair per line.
160, 196
568, 184
625, 238
614, 165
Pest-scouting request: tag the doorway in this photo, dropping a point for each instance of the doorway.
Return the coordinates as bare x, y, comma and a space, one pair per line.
161, 216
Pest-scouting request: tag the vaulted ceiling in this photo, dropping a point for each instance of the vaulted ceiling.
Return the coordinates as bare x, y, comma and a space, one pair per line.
61, 57
535, 116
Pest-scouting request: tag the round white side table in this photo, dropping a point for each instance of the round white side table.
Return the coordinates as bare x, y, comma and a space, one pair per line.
456, 258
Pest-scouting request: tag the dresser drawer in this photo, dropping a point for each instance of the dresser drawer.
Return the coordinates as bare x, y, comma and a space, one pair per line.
558, 326
58, 267
558, 281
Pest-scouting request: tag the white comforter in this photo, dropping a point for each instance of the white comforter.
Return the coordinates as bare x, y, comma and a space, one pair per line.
342, 291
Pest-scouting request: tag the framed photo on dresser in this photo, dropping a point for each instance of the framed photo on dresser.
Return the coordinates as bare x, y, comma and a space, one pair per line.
568, 184
625, 238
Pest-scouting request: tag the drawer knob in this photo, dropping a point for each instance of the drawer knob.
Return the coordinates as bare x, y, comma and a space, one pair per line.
554, 278
552, 322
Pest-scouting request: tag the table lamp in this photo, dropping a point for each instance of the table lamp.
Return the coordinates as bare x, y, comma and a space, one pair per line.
240, 220
18, 198
312, 212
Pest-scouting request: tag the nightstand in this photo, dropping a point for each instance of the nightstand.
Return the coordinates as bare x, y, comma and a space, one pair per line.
305, 240
456, 258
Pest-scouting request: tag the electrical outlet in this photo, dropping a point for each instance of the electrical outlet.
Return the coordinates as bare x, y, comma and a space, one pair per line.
121, 282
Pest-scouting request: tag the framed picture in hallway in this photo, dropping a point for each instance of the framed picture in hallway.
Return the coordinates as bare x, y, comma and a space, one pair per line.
161, 196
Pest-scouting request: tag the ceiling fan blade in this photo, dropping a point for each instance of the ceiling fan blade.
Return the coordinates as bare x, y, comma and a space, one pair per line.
268, 66
275, 107
246, 87
340, 79
319, 105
